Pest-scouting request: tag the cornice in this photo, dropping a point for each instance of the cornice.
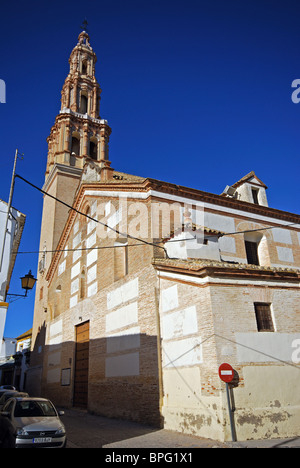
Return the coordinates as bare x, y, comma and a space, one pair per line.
221, 270
197, 195
66, 170
146, 185
67, 113
220, 200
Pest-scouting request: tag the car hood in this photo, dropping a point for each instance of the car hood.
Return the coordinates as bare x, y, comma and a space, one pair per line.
41, 423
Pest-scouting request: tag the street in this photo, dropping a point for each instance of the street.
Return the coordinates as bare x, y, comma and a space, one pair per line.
86, 430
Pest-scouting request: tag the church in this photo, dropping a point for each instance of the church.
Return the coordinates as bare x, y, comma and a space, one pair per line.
146, 287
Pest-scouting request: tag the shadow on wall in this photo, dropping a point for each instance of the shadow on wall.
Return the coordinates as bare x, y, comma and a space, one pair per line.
116, 377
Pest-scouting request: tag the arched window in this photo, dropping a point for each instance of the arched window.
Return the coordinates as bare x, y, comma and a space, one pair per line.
84, 67
75, 145
83, 104
75, 148
93, 148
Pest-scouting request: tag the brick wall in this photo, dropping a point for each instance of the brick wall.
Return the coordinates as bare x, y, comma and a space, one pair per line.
225, 330
156, 342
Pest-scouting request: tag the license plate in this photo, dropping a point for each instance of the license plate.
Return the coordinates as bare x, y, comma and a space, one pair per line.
42, 440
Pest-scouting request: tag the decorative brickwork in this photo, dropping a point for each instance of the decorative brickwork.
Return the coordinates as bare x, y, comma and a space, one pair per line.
160, 274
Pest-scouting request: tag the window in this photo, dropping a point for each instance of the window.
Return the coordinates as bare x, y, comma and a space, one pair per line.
34, 408
252, 252
263, 317
255, 196
93, 150
83, 104
75, 145
84, 67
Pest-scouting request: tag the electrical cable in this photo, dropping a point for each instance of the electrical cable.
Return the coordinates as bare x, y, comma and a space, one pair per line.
141, 241
236, 343
89, 217
260, 229
156, 244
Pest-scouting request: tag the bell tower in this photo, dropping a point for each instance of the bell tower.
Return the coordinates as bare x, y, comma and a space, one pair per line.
79, 133
78, 136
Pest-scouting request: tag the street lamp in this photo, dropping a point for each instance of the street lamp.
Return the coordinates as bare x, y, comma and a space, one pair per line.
28, 282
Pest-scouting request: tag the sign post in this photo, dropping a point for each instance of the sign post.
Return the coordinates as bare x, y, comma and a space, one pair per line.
226, 374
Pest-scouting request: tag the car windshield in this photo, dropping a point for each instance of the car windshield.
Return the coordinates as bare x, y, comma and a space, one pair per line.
32, 408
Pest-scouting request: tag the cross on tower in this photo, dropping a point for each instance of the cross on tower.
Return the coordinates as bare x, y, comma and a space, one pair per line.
84, 25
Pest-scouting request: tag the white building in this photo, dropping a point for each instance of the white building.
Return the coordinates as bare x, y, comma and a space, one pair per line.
8, 254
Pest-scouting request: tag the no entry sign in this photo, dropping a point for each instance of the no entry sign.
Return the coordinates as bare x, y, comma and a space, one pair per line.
226, 372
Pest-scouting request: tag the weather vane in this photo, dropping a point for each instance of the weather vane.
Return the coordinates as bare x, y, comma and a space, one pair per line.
84, 25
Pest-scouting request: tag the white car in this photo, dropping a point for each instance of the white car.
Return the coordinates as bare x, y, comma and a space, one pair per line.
36, 422
4, 397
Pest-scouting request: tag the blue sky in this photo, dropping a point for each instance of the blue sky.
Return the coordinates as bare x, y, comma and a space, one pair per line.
197, 93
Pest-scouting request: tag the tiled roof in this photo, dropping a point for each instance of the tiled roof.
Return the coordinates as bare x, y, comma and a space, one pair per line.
198, 264
194, 228
25, 335
246, 177
122, 176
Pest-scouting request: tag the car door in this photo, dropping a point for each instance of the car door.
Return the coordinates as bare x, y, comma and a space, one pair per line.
9, 408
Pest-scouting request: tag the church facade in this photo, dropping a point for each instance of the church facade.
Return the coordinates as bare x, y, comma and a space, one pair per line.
145, 288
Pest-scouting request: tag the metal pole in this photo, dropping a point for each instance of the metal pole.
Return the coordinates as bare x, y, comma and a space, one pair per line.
9, 207
233, 436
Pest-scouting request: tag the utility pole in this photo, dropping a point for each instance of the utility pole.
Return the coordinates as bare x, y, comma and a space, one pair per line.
9, 207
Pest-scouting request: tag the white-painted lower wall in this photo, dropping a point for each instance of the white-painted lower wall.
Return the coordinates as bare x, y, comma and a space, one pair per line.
266, 397
13, 231
3, 310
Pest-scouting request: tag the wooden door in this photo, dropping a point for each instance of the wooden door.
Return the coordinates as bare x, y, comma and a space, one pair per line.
81, 373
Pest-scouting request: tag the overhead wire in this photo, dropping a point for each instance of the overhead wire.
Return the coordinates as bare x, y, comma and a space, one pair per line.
126, 235
141, 242
89, 217
236, 343
155, 244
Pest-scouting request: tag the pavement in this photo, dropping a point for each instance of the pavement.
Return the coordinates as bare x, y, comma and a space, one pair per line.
85, 430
